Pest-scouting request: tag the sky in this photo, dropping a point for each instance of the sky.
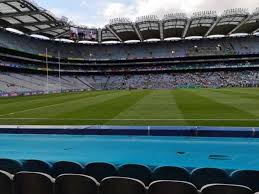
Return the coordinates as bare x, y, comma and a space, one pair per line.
97, 13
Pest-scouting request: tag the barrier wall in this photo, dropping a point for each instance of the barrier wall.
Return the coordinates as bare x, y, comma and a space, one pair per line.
246, 132
15, 94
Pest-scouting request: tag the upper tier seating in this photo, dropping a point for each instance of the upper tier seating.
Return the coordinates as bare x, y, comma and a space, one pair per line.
164, 49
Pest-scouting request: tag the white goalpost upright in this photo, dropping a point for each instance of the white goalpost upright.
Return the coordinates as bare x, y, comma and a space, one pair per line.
59, 72
47, 70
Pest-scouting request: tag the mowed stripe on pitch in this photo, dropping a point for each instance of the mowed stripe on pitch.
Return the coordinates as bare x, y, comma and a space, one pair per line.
22, 104
53, 109
244, 102
195, 106
209, 107
158, 105
101, 107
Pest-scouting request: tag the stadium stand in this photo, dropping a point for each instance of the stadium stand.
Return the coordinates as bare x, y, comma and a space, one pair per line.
111, 177
35, 182
31, 66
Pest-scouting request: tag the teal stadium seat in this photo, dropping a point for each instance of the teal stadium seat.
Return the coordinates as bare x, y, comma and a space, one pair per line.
205, 176
249, 178
170, 173
6, 184
75, 184
136, 171
171, 187
122, 185
33, 183
36, 166
64, 167
225, 189
11, 166
100, 170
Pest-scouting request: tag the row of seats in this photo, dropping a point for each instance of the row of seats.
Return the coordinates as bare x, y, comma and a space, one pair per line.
40, 183
199, 177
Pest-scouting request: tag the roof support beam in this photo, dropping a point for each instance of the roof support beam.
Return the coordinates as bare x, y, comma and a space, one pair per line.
62, 34
213, 26
186, 28
7, 15
161, 30
99, 35
34, 23
257, 30
6, 1
109, 28
48, 29
137, 31
241, 24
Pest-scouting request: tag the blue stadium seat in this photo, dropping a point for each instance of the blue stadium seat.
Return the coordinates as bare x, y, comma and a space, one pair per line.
6, 183
11, 166
170, 173
225, 189
100, 170
75, 184
169, 187
122, 185
249, 178
33, 183
65, 167
36, 166
140, 172
204, 176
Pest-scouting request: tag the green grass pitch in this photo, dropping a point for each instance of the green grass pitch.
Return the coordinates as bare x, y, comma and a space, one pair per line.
190, 107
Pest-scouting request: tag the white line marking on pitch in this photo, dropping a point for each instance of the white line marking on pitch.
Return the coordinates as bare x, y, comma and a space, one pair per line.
72, 119
39, 107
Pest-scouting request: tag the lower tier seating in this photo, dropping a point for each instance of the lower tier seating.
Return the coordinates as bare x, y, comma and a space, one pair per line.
40, 183
147, 176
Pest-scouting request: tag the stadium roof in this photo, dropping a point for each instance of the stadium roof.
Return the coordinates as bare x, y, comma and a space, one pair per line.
28, 17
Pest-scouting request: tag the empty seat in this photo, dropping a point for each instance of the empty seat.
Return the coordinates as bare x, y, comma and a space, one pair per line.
204, 176
64, 167
170, 173
33, 183
225, 189
140, 172
249, 178
36, 166
121, 185
11, 166
76, 184
100, 170
171, 187
5, 182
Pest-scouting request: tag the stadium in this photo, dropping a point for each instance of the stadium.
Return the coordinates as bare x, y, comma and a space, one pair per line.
147, 106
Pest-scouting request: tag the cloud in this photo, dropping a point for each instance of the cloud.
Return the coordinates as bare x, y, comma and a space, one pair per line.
83, 3
99, 12
161, 7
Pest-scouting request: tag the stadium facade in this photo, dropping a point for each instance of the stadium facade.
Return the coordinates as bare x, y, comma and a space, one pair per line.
31, 65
